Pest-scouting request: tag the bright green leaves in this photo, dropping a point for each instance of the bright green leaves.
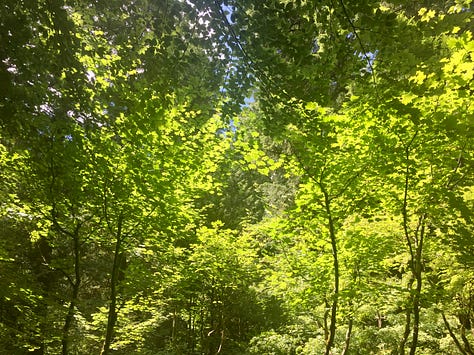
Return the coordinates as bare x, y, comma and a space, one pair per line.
458, 68
249, 143
256, 159
419, 77
333, 149
122, 142
426, 15
113, 149
375, 158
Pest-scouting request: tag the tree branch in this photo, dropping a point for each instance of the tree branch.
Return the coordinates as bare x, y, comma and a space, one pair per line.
359, 40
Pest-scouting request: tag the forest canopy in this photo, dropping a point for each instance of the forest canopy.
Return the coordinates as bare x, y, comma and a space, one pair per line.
236, 177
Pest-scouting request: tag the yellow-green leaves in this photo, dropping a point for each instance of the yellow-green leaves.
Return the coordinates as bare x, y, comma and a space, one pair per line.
41, 229
426, 15
419, 78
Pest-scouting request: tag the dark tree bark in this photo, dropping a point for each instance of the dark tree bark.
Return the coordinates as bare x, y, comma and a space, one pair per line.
112, 315
465, 340
453, 336
335, 295
414, 240
75, 285
406, 333
417, 273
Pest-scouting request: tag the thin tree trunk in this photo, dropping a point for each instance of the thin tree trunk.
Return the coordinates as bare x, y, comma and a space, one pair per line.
69, 319
406, 333
379, 320
420, 233
221, 343
467, 345
325, 320
173, 327
75, 293
112, 315
348, 337
335, 295
453, 336
191, 327
410, 245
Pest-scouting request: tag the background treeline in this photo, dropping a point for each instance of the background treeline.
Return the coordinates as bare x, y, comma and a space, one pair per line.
236, 177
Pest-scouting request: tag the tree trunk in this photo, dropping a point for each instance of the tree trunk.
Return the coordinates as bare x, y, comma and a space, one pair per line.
75, 293
325, 320
335, 295
453, 336
410, 243
406, 333
348, 337
419, 236
467, 345
112, 315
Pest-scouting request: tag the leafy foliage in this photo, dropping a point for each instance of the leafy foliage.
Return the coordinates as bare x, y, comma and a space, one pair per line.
202, 177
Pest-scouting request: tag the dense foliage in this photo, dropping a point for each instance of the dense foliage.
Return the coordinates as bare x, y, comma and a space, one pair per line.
236, 177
